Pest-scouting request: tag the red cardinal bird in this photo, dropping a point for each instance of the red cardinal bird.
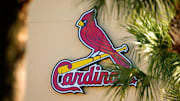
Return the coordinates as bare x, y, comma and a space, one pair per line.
92, 35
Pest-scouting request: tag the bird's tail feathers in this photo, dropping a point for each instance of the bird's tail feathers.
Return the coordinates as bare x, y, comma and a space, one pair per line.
120, 60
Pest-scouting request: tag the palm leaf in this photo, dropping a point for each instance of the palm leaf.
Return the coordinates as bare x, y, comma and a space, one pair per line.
125, 8
149, 24
155, 44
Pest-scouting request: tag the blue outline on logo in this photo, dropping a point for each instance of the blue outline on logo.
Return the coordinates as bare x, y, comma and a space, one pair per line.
81, 90
79, 35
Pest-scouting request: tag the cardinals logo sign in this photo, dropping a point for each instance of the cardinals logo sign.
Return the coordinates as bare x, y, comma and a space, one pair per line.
67, 75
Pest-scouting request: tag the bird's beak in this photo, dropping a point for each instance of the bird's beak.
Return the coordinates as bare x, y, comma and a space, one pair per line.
81, 23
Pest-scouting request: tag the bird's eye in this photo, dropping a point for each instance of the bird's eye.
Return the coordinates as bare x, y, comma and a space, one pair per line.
85, 21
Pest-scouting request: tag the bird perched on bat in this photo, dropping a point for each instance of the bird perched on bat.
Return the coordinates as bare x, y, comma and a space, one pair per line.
92, 35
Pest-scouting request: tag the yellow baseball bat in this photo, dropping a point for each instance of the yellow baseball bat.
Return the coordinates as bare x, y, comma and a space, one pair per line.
86, 61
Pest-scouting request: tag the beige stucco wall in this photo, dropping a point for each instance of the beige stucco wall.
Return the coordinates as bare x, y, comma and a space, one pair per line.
53, 37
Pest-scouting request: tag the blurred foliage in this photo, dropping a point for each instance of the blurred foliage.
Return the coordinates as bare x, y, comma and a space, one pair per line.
10, 52
162, 80
154, 45
148, 21
127, 8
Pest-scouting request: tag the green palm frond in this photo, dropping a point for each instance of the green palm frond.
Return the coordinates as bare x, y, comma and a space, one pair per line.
149, 24
126, 8
163, 70
124, 77
145, 88
155, 44
173, 93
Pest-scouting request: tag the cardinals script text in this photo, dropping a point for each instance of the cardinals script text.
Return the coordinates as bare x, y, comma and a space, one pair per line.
67, 76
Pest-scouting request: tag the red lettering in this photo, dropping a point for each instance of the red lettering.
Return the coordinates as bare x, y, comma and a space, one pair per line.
67, 80
88, 76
